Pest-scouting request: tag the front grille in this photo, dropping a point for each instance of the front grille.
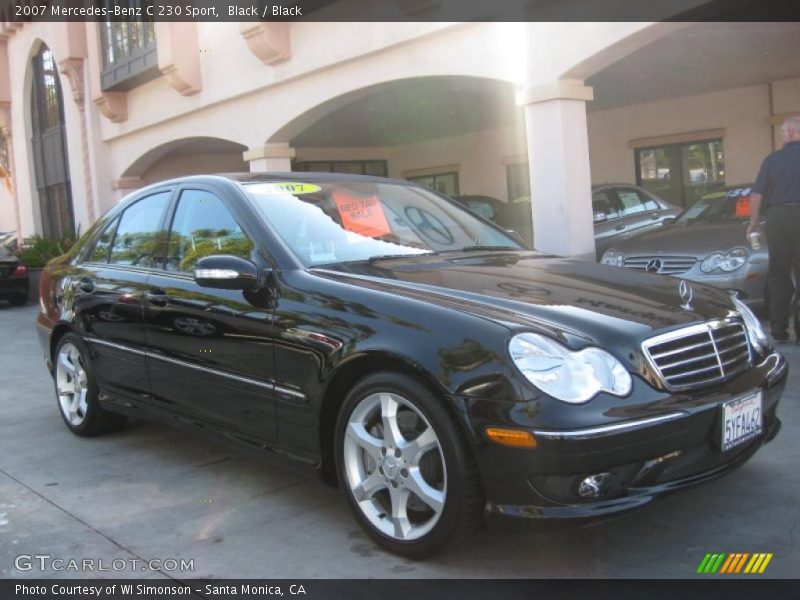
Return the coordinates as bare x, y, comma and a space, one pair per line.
666, 265
699, 355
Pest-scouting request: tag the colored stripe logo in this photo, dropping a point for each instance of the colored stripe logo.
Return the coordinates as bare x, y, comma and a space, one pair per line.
736, 562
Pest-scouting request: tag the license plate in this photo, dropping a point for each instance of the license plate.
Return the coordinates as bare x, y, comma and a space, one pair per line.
742, 420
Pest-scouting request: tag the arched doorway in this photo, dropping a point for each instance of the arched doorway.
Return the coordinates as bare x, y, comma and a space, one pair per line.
51, 164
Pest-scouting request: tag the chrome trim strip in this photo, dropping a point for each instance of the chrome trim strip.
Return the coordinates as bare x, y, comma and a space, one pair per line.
181, 363
93, 340
593, 432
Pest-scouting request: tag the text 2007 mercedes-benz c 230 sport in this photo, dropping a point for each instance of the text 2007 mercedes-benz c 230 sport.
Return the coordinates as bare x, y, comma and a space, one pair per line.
422, 358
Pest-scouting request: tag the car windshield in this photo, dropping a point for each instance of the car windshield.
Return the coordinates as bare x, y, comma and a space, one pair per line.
729, 205
346, 221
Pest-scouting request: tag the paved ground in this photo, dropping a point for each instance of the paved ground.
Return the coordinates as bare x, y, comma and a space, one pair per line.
152, 492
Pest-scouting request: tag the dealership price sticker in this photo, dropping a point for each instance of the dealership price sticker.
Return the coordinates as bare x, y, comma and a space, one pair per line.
362, 215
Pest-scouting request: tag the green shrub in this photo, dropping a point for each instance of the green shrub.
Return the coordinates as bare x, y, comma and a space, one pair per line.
37, 251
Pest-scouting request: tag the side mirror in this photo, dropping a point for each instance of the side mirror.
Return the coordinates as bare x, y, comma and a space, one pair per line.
225, 272
668, 221
600, 217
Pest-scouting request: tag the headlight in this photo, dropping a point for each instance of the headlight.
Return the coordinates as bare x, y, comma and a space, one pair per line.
573, 377
731, 261
615, 259
754, 330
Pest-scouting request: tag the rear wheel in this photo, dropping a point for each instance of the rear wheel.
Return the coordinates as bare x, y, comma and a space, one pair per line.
77, 393
408, 474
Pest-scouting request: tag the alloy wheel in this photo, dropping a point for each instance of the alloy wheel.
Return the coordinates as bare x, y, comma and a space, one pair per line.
72, 384
394, 466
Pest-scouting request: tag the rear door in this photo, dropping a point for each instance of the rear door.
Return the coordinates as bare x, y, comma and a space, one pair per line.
211, 350
641, 211
108, 288
608, 221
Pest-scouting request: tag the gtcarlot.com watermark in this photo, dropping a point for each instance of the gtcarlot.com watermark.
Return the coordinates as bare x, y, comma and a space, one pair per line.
48, 562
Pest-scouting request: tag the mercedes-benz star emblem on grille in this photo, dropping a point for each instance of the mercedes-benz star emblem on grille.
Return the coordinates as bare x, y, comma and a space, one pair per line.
686, 292
653, 265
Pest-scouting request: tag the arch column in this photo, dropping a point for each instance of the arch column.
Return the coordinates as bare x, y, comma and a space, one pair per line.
558, 159
270, 157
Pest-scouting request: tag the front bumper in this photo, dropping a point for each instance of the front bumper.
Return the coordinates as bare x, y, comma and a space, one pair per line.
673, 442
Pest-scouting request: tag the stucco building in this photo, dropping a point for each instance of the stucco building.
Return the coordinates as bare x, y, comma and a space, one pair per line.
90, 111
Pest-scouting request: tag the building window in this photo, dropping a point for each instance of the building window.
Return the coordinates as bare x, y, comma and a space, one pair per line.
378, 168
129, 52
518, 181
49, 148
444, 183
4, 161
681, 173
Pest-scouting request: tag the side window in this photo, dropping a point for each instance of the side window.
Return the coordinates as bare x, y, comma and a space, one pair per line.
650, 203
604, 206
203, 226
631, 202
138, 238
102, 244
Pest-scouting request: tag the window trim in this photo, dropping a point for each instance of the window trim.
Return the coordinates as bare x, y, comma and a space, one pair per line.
363, 161
415, 180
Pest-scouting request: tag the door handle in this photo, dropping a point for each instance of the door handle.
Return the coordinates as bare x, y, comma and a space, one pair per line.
620, 227
86, 285
156, 297
655, 216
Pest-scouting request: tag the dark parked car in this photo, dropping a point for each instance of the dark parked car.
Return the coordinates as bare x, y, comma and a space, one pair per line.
13, 278
416, 354
707, 243
621, 211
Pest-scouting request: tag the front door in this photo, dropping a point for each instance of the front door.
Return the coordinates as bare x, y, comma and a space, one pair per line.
211, 351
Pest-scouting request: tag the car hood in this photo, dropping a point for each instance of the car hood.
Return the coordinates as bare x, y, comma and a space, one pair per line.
693, 240
529, 290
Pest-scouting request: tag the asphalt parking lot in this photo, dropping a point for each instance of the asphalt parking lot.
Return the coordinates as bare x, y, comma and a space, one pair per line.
151, 492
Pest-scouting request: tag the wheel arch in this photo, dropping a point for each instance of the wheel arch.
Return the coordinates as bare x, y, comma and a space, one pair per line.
59, 331
347, 375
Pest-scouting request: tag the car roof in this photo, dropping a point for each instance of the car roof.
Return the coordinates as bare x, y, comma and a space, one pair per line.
247, 178
306, 176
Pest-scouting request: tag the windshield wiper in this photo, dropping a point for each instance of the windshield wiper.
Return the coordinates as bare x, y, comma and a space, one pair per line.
479, 248
391, 256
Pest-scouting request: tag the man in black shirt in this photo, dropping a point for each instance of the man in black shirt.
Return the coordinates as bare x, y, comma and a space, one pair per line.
779, 183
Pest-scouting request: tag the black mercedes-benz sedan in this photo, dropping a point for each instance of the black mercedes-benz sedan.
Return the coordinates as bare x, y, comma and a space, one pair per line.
419, 356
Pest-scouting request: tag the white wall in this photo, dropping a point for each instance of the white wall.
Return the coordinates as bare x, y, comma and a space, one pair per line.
8, 215
480, 156
178, 165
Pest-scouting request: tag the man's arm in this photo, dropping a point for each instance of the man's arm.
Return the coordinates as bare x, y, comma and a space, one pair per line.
755, 208
757, 195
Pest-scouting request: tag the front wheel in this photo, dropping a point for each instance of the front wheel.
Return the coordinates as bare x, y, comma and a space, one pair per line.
77, 393
404, 464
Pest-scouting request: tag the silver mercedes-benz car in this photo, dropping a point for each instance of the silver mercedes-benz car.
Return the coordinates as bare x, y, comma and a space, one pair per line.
706, 243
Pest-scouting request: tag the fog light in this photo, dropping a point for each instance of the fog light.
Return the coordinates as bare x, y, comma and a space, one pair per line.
592, 486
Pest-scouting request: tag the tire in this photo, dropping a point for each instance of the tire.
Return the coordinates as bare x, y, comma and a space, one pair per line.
77, 392
386, 478
19, 300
